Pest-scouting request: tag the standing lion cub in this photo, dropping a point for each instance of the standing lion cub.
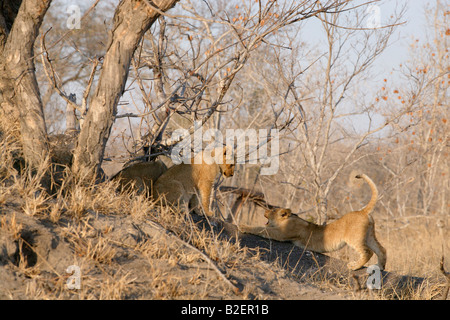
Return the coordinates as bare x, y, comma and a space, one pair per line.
357, 229
182, 182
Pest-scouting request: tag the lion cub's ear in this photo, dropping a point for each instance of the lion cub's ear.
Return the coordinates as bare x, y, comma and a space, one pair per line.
224, 151
229, 154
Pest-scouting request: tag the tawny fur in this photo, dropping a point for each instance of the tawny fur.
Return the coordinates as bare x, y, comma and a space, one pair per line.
356, 229
183, 182
140, 176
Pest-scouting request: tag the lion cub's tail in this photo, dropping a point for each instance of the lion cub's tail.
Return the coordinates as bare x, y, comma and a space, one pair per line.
373, 200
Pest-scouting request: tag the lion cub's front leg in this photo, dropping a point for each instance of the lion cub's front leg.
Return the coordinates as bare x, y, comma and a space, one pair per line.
273, 233
252, 230
205, 194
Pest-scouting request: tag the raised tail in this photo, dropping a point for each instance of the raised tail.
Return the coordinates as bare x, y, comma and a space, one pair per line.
373, 200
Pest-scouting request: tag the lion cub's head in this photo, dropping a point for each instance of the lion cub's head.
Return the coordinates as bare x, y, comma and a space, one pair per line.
227, 169
277, 216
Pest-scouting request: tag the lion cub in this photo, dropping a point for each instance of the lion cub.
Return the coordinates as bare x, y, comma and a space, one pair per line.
181, 182
141, 175
357, 229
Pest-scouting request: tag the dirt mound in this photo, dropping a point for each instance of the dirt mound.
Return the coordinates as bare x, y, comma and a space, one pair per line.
103, 256
96, 243
117, 256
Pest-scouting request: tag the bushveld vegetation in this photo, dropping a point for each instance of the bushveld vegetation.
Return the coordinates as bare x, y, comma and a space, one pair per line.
87, 90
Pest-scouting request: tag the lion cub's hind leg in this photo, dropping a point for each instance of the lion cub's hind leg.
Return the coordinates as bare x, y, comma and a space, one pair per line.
365, 253
366, 247
174, 194
376, 247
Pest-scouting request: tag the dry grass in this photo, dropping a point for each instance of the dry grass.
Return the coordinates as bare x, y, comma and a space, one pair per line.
159, 268
112, 238
416, 244
11, 227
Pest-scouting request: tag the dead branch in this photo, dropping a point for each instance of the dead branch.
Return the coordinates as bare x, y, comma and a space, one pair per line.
205, 257
247, 195
88, 88
51, 76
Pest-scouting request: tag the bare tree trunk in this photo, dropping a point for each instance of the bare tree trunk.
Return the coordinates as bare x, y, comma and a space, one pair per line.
20, 96
71, 118
131, 20
9, 115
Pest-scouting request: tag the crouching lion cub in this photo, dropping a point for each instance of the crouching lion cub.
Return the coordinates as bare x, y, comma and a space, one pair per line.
181, 182
356, 229
140, 176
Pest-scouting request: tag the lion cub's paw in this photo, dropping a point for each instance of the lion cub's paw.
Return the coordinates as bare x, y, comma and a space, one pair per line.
354, 266
381, 266
244, 228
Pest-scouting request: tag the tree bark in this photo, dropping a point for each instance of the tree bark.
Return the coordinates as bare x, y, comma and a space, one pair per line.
131, 20
71, 119
19, 92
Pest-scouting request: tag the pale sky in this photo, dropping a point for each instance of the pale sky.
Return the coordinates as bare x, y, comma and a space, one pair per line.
414, 27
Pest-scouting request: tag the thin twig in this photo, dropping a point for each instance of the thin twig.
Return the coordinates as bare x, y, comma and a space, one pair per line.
52, 77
